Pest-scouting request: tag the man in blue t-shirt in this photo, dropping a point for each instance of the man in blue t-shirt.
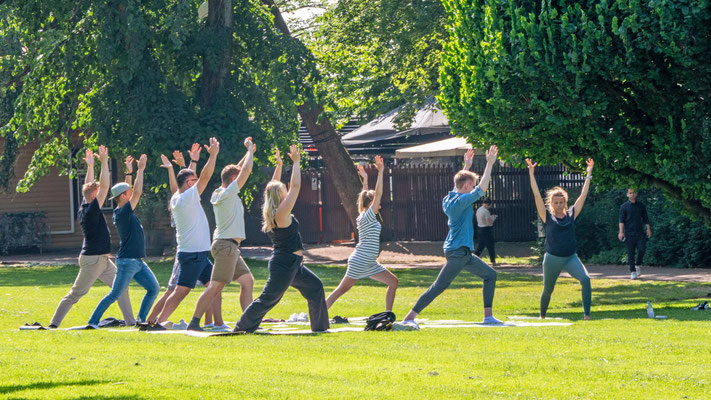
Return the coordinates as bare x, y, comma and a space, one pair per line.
132, 248
459, 244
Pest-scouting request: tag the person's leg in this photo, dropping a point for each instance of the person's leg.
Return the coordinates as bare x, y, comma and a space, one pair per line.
282, 268
126, 268
311, 288
481, 241
490, 246
192, 266
552, 266
145, 278
631, 244
124, 301
641, 249
246, 290
479, 268
89, 270
391, 280
456, 259
205, 301
172, 302
577, 270
172, 283
345, 285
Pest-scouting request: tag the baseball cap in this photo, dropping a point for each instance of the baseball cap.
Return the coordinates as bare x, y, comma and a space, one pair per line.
119, 188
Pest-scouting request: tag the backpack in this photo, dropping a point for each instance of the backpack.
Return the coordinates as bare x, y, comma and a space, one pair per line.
382, 321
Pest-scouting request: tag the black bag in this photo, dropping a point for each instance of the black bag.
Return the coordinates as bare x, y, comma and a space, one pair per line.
382, 321
111, 322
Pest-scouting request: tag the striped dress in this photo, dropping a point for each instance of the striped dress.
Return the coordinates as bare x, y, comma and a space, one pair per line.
363, 262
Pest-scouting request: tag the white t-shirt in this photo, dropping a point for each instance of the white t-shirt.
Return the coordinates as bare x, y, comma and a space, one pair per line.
481, 217
191, 228
229, 212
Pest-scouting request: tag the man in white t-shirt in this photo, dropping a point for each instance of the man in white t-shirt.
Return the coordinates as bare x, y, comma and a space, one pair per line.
191, 231
485, 223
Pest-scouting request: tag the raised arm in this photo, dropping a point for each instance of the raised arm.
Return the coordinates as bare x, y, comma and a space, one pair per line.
586, 187
194, 154
468, 159
363, 176
375, 205
209, 167
104, 178
540, 205
279, 166
246, 163
138, 186
178, 159
89, 160
283, 214
129, 169
165, 163
491, 155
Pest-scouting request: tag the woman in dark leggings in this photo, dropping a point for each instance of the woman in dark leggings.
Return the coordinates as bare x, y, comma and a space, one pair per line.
560, 253
286, 266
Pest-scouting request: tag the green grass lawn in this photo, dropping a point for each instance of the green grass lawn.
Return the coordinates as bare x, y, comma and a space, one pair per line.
620, 354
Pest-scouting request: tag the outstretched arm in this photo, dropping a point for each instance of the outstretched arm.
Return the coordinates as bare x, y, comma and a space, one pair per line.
104, 178
491, 155
178, 159
586, 187
138, 186
129, 169
246, 163
209, 167
540, 205
194, 154
363, 176
280, 164
379, 185
165, 163
89, 160
283, 214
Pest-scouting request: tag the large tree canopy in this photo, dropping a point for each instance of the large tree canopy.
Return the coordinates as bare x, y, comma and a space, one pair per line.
626, 82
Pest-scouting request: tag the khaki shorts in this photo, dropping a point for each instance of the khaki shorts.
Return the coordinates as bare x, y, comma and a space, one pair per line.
229, 264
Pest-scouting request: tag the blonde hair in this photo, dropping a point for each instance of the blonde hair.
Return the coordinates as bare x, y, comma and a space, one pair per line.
272, 199
463, 176
365, 198
551, 193
88, 188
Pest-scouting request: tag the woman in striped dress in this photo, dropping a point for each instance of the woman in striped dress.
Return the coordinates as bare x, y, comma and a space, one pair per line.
363, 262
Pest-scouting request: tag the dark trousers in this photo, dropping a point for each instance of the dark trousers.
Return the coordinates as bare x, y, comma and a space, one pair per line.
638, 243
287, 269
486, 239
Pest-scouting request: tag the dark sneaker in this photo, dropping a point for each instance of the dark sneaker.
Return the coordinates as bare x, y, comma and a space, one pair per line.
155, 327
339, 320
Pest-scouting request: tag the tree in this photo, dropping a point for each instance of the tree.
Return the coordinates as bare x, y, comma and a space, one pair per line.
625, 82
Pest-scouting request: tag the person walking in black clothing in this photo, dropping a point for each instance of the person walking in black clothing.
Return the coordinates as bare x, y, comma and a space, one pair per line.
485, 230
633, 223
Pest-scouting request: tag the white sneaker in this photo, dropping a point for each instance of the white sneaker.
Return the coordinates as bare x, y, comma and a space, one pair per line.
409, 325
168, 325
633, 275
638, 270
303, 317
491, 320
208, 326
180, 326
221, 328
293, 318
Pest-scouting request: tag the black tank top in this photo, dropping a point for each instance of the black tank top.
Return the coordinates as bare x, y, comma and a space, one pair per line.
560, 234
287, 240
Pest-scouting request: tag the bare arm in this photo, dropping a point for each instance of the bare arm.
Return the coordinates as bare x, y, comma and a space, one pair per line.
280, 164
246, 163
379, 185
104, 178
89, 160
491, 155
194, 154
363, 176
129, 169
171, 173
586, 187
283, 214
138, 186
209, 166
540, 205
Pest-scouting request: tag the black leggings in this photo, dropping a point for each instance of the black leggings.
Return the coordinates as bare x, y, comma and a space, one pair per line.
635, 243
486, 239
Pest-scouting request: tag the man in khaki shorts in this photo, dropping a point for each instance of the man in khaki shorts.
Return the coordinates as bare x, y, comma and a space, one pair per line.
94, 262
229, 233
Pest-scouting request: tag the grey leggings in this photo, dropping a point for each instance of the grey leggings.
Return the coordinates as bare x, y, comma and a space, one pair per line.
552, 266
456, 260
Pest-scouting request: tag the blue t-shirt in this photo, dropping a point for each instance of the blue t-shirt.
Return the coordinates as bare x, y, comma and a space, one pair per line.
130, 230
560, 234
459, 210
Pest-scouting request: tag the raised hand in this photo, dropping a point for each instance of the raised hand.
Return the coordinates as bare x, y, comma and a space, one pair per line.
165, 162
89, 157
531, 165
214, 146
279, 161
362, 173
194, 151
129, 164
248, 143
379, 163
178, 158
142, 162
103, 153
294, 153
491, 154
591, 164
468, 158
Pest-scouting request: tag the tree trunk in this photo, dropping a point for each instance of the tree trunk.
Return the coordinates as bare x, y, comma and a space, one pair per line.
336, 158
215, 67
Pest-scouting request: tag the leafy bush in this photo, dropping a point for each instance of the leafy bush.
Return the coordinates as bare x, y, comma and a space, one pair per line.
22, 231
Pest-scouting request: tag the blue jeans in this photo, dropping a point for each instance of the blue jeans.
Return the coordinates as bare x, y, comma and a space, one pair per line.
127, 269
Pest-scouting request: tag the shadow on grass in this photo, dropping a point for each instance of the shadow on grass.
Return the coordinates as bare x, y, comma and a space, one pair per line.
671, 313
5, 389
118, 397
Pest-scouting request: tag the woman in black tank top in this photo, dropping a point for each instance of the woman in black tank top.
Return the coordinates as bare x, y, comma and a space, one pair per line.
559, 221
286, 263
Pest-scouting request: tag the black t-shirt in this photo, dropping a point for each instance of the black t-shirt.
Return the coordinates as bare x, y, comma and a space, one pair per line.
97, 238
560, 234
634, 216
133, 243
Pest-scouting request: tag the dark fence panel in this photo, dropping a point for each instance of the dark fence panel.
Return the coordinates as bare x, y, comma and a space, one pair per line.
336, 224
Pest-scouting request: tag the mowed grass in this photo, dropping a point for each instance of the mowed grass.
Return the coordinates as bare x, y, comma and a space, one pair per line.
620, 354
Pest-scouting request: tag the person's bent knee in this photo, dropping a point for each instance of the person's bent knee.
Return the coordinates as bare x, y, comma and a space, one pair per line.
585, 281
